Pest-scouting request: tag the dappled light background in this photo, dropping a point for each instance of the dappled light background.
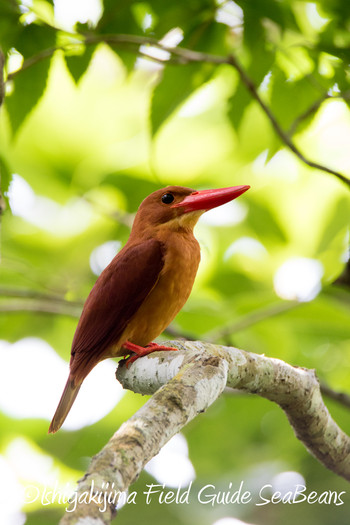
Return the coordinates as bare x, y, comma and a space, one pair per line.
77, 168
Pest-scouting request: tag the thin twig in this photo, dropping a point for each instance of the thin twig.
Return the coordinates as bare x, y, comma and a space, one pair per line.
310, 111
179, 334
34, 294
315, 107
341, 397
40, 306
250, 319
31, 61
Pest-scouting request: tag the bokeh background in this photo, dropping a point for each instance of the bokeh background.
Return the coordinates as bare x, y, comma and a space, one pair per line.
87, 132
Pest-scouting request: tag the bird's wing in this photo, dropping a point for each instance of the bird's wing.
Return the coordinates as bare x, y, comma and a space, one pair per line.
116, 296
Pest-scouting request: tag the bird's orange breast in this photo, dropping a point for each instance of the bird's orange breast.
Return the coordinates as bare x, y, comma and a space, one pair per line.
181, 260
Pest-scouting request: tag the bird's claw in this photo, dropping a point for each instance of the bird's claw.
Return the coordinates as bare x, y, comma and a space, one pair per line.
140, 351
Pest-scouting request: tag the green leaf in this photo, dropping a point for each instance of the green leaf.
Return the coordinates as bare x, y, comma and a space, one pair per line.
182, 81
5, 178
145, 16
338, 222
339, 11
5, 175
237, 105
259, 65
118, 18
274, 147
78, 64
29, 86
36, 42
34, 39
279, 12
9, 24
265, 223
128, 58
304, 93
176, 85
207, 36
189, 15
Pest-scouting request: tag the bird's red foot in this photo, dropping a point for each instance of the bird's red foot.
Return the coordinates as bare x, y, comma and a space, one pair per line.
140, 351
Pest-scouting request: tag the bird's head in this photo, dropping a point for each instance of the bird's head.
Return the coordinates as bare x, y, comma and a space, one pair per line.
179, 208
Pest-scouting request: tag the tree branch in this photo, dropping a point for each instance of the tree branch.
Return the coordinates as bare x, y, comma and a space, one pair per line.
20, 300
188, 56
195, 384
186, 383
278, 129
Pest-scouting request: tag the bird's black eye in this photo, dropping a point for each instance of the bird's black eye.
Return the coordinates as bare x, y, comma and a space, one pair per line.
167, 198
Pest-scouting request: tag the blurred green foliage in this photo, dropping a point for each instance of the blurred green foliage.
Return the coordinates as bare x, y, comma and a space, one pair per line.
90, 127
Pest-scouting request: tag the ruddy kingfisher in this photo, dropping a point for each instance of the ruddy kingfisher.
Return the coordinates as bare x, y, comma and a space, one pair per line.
147, 283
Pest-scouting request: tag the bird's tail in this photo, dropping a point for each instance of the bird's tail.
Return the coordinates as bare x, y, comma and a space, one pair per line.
69, 394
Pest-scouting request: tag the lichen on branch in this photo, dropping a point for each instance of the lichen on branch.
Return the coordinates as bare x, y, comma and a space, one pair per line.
184, 384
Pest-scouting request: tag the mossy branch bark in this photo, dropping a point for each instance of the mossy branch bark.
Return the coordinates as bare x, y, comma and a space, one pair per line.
185, 383
195, 384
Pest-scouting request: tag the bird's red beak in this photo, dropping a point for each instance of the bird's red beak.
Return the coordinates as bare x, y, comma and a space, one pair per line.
208, 199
